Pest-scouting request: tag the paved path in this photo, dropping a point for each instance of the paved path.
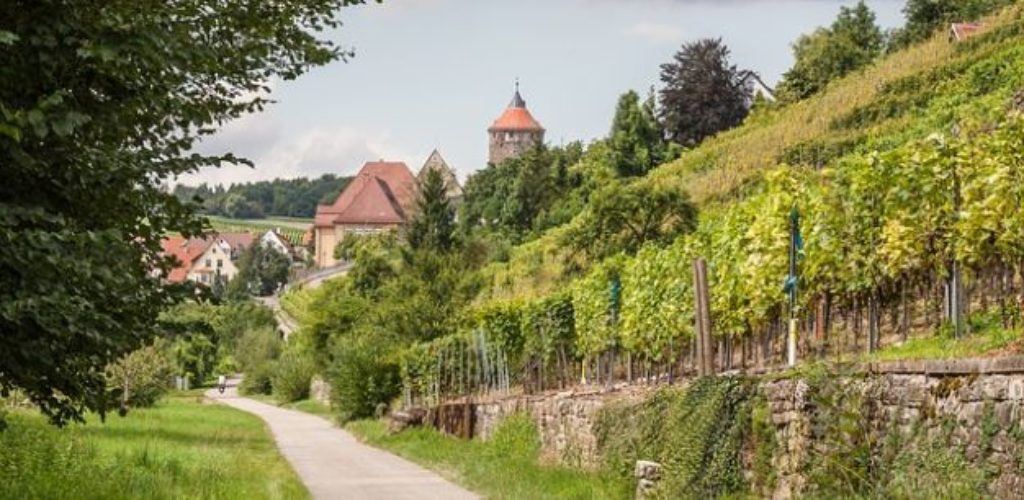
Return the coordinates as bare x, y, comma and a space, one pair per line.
334, 465
285, 323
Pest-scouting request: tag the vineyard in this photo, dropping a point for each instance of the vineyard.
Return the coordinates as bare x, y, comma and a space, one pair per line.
289, 227
908, 180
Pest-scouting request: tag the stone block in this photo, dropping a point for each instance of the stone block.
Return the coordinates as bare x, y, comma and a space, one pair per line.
646, 469
1015, 388
994, 387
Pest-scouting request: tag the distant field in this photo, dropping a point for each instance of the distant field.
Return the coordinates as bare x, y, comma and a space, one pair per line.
183, 448
291, 227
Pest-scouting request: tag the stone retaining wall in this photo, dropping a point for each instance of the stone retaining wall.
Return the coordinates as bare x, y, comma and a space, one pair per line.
976, 406
980, 403
564, 420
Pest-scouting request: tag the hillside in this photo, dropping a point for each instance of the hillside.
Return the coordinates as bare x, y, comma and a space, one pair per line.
902, 176
905, 96
900, 173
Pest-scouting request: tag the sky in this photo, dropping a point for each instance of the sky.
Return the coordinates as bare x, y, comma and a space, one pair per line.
435, 73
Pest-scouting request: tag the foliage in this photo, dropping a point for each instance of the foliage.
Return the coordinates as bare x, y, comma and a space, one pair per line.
637, 139
592, 304
182, 448
506, 466
698, 435
86, 158
261, 271
258, 380
141, 378
522, 194
279, 197
292, 374
257, 347
657, 305
703, 93
363, 374
853, 41
433, 225
622, 218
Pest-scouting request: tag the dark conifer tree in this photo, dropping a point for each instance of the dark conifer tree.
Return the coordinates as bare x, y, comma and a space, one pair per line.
433, 225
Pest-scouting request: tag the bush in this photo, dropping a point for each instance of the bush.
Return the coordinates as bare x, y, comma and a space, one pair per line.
257, 347
292, 375
258, 380
140, 378
363, 374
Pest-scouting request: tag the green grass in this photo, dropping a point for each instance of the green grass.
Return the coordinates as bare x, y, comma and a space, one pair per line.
506, 466
182, 448
943, 346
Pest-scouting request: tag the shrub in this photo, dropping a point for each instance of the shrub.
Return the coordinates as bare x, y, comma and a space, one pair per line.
140, 378
292, 375
363, 374
257, 347
258, 380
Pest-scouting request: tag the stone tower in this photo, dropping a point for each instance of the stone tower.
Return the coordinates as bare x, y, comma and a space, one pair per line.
514, 132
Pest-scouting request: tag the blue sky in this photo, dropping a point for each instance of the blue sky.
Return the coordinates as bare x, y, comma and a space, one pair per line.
436, 73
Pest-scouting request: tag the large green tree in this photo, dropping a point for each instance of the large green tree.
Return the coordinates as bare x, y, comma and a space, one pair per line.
636, 139
624, 217
101, 103
261, 271
853, 41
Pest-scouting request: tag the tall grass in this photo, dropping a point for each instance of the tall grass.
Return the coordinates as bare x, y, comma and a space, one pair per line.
182, 448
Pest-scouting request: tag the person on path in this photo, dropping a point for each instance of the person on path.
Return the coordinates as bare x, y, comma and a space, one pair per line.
222, 383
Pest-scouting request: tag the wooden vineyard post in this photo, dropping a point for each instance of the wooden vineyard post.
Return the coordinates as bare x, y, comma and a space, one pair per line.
702, 313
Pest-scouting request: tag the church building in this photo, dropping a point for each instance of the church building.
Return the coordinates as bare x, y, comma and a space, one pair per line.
381, 197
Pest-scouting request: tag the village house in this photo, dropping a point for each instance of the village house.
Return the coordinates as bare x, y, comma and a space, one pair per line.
203, 260
273, 239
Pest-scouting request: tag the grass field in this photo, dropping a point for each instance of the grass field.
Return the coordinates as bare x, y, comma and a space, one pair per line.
506, 466
183, 448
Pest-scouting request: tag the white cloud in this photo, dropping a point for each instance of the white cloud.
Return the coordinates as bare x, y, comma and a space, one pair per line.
658, 34
307, 153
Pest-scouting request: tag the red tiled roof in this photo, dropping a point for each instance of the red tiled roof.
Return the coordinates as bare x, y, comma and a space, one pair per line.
185, 252
963, 31
237, 241
515, 119
380, 193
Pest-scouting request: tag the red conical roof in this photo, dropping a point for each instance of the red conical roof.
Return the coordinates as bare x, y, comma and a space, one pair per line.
516, 116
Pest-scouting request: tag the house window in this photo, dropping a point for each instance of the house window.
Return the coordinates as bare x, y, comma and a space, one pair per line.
220, 263
209, 263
